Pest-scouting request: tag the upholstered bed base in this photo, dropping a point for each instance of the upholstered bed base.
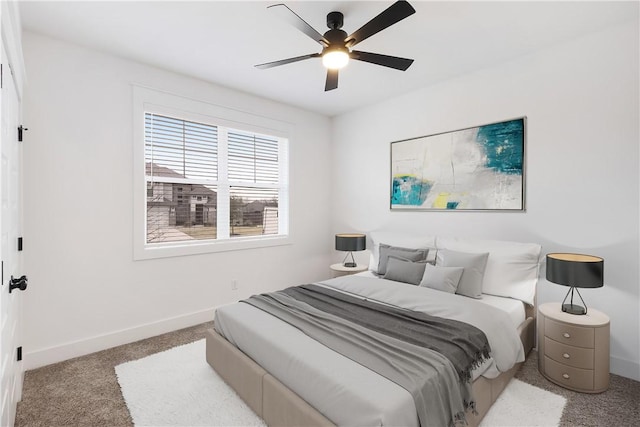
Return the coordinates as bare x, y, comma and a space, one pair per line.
279, 406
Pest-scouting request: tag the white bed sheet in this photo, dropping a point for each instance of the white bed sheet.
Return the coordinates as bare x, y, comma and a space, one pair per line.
513, 307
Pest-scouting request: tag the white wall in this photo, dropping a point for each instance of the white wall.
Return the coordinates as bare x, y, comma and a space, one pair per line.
581, 101
85, 291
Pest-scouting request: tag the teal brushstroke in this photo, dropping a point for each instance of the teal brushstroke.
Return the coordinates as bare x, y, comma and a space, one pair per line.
503, 144
452, 205
409, 190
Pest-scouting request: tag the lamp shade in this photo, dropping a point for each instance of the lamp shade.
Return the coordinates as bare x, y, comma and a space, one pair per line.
351, 242
576, 270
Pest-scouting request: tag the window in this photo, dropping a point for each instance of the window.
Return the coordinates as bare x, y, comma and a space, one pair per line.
210, 184
181, 163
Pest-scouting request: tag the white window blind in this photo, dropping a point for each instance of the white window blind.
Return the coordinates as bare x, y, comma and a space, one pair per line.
252, 158
253, 172
180, 148
186, 195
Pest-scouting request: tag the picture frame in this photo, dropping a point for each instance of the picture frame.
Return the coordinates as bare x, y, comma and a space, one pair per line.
479, 168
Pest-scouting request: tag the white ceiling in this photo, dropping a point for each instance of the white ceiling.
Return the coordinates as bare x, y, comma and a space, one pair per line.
221, 41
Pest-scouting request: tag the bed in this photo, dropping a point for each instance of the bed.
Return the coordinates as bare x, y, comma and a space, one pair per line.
290, 378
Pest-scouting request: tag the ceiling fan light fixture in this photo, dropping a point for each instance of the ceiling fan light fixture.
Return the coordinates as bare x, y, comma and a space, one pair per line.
335, 59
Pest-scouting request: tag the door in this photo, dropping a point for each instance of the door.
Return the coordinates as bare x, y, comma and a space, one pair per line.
11, 373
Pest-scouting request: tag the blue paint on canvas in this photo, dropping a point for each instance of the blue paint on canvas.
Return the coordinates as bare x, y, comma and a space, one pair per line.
503, 145
409, 190
452, 205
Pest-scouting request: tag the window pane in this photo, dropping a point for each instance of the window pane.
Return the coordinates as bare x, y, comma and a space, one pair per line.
254, 211
180, 212
180, 149
252, 158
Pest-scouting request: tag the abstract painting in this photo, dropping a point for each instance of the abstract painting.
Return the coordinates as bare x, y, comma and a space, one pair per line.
474, 169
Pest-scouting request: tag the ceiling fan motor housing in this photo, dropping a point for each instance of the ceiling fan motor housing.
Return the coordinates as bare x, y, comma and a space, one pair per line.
335, 36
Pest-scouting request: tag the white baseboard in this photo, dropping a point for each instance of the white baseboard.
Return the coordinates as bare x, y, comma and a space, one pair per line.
625, 368
47, 356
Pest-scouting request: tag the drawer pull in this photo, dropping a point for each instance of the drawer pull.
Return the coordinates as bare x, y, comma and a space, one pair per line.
566, 355
565, 376
566, 335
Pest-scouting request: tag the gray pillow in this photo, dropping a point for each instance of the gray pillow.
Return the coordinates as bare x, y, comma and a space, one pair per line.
386, 251
470, 284
442, 278
404, 270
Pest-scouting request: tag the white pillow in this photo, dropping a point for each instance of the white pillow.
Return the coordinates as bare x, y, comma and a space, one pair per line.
442, 278
474, 264
404, 240
512, 268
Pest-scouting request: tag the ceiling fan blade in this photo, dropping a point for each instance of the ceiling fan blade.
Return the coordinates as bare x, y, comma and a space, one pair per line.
393, 14
384, 60
287, 61
332, 80
292, 18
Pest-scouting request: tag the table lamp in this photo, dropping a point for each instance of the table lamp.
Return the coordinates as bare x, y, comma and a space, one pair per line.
349, 243
575, 271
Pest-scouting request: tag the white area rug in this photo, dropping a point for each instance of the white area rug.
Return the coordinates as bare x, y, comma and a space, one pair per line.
523, 405
178, 388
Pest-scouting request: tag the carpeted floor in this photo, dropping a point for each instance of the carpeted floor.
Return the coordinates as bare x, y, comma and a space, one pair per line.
85, 392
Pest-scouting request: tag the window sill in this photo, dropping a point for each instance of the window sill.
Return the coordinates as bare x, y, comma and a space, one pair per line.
153, 251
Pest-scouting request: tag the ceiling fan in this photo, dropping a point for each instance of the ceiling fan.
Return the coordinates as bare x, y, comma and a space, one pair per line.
336, 44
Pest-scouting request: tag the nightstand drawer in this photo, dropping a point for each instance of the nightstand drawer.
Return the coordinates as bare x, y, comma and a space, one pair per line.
577, 357
568, 334
575, 378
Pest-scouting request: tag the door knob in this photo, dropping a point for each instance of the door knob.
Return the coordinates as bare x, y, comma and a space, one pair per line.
19, 283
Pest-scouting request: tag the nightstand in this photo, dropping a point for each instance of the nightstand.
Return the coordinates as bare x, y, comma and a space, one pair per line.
573, 350
338, 270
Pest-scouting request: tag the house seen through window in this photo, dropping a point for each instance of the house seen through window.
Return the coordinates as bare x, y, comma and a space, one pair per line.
208, 182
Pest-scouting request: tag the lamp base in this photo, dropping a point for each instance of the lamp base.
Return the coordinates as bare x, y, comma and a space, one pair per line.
349, 264
573, 309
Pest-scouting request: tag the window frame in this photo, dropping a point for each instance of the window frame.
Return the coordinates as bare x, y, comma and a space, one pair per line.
158, 102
